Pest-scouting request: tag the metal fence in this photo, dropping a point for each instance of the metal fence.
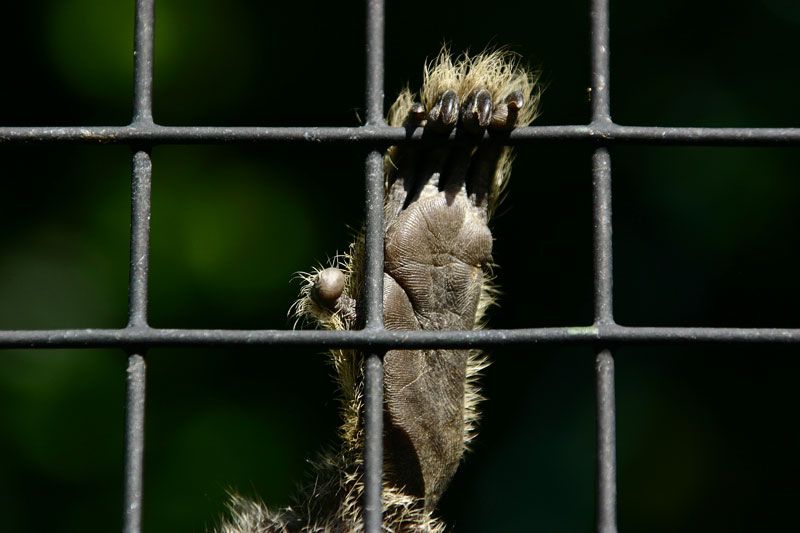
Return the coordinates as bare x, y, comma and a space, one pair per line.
137, 337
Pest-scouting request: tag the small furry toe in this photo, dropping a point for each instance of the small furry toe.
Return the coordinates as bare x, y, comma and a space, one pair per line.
328, 287
506, 114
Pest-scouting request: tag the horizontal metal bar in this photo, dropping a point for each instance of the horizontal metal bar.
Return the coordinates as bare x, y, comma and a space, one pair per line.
154, 134
143, 337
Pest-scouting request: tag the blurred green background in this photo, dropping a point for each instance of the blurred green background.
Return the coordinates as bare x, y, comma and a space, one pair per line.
708, 435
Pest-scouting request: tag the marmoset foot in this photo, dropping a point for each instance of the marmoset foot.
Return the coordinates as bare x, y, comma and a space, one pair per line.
437, 250
437, 276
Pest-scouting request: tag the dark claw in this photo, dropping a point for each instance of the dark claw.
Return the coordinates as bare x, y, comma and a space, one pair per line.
417, 113
515, 100
444, 114
505, 115
476, 113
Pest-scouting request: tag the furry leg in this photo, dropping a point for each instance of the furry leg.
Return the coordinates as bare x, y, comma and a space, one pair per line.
437, 247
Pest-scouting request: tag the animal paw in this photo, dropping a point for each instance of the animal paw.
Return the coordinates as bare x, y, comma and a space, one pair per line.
438, 255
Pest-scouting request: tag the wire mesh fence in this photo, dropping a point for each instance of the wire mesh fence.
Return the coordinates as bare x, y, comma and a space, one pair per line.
603, 334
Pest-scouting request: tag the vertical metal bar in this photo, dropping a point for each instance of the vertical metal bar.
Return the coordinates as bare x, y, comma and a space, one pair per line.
140, 238
606, 445
603, 272
137, 317
601, 165
603, 267
375, 61
373, 394
606, 414
143, 61
138, 281
374, 170
134, 444
374, 241
373, 447
601, 102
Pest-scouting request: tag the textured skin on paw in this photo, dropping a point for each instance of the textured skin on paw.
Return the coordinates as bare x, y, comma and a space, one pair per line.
436, 251
438, 256
437, 248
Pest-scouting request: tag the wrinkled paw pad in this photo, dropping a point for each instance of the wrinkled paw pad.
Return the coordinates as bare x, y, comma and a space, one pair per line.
474, 115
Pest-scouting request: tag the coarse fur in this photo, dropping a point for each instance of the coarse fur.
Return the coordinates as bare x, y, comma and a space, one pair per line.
331, 500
